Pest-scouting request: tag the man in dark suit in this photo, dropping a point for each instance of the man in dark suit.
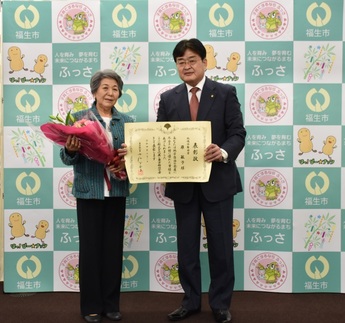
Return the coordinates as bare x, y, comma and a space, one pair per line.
218, 103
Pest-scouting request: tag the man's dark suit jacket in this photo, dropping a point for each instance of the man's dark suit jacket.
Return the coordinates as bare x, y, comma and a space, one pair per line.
218, 104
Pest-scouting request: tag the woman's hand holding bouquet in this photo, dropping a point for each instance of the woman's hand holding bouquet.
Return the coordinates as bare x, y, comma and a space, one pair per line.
117, 165
72, 144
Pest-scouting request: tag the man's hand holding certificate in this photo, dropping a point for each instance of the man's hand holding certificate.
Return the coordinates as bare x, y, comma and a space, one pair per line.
167, 151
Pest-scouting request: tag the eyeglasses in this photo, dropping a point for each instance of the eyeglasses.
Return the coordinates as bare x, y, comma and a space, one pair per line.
184, 62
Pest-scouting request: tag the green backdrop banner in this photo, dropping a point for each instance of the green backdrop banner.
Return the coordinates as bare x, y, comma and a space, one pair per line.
285, 59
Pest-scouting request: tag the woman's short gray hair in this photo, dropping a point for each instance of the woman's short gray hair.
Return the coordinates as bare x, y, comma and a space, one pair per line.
96, 79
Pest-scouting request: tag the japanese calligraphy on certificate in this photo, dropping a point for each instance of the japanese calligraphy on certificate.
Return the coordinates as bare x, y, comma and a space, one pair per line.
167, 151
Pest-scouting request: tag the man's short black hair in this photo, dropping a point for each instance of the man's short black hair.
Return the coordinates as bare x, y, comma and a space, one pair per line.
195, 45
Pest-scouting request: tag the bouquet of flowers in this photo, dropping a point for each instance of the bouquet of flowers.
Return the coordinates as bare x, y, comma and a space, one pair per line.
95, 143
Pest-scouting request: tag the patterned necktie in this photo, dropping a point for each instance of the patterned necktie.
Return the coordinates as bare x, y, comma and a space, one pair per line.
194, 103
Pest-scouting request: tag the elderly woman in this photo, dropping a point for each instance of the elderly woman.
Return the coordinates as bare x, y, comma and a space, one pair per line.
101, 201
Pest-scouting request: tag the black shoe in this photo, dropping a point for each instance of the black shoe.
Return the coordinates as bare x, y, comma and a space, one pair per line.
222, 316
92, 318
113, 316
181, 313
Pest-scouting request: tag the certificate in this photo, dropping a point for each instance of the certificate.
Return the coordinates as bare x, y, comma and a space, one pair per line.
167, 151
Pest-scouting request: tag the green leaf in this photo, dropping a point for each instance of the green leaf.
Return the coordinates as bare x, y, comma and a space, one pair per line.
59, 118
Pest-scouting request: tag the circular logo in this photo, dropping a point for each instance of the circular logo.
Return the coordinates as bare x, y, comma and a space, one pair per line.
69, 271
29, 268
268, 271
268, 104
28, 184
120, 19
172, 20
158, 97
27, 17
130, 267
27, 101
159, 189
268, 187
74, 98
166, 272
65, 189
269, 20
75, 21
129, 101
216, 18
318, 100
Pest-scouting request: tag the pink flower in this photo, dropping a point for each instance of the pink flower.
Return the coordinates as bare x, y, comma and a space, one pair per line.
95, 143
